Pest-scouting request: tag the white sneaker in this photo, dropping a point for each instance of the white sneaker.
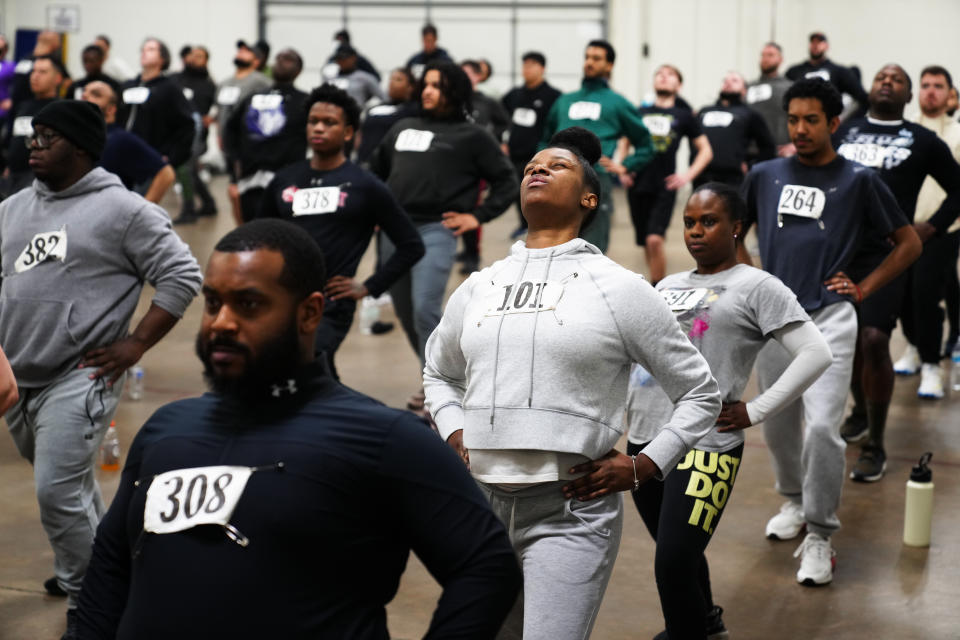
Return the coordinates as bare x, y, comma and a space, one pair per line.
909, 362
931, 382
788, 523
817, 560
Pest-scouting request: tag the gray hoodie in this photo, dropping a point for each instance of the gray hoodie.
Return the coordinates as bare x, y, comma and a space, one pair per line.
74, 263
534, 353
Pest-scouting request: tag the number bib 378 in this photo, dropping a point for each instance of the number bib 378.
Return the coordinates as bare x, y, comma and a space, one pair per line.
315, 201
182, 499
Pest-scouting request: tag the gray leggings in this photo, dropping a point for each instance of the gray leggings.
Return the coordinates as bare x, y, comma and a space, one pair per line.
58, 428
567, 549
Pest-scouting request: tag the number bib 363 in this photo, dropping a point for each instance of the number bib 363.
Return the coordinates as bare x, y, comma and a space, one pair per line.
182, 499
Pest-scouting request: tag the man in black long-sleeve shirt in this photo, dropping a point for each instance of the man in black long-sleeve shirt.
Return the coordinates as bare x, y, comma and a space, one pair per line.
433, 164
340, 205
842, 78
282, 504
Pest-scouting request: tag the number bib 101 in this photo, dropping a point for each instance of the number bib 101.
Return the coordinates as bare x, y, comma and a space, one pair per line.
182, 499
802, 201
527, 297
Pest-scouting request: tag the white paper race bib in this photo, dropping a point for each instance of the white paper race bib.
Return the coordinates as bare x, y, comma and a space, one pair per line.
188, 93
228, 96
266, 102
657, 124
717, 119
823, 74
417, 70
78, 93
23, 126
680, 300
584, 111
870, 155
759, 93
308, 202
136, 95
527, 297
382, 110
803, 201
182, 499
24, 66
523, 117
51, 245
413, 140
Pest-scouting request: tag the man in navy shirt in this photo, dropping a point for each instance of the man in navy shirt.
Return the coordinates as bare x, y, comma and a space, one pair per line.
811, 211
282, 504
340, 205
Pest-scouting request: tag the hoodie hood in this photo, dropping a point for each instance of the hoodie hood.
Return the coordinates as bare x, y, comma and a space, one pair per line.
97, 179
578, 245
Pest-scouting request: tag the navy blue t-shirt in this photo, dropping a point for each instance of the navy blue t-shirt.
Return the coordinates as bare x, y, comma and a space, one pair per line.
129, 157
810, 220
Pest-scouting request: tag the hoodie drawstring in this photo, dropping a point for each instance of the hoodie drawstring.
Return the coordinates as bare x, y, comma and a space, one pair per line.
533, 335
496, 350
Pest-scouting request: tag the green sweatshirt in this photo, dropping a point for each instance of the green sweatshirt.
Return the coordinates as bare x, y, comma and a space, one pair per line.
608, 114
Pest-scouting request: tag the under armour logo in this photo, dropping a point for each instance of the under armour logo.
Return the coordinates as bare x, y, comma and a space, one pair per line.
291, 388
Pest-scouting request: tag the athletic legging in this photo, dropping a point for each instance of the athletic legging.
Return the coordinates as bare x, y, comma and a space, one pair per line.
681, 513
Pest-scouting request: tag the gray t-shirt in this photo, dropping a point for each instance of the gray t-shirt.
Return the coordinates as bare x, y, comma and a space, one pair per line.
360, 85
765, 96
728, 316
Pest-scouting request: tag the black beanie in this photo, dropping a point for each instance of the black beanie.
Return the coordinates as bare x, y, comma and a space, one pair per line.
78, 121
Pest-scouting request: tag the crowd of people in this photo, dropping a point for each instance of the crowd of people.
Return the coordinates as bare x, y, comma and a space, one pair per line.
502, 473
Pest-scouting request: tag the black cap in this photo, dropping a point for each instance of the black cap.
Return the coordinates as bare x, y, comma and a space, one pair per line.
256, 48
921, 472
78, 121
344, 51
818, 35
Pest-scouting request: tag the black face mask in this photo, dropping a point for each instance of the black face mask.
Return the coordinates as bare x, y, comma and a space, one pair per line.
242, 64
731, 97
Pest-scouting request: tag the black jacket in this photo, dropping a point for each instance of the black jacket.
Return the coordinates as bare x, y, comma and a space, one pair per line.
163, 119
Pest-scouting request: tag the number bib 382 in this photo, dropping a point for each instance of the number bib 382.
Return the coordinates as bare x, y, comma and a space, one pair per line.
182, 499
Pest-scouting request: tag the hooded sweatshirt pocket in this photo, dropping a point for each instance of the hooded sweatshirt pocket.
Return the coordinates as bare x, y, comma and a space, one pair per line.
37, 338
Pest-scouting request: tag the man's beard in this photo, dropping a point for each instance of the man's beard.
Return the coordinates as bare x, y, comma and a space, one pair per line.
279, 359
768, 70
731, 96
817, 56
242, 64
663, 93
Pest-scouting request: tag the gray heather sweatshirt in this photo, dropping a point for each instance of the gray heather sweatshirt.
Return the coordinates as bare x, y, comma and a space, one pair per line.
534, 353
74, 263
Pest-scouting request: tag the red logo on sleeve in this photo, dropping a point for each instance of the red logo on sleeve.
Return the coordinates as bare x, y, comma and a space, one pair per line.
287, 194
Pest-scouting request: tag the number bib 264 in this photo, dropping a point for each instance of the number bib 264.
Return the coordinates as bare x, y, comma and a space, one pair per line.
182, 499
799, 200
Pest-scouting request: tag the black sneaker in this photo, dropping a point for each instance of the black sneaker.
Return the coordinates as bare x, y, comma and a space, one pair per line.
854, 429
72, 632
207, 210
53, 588
378, 327
185, 218
715, 628
870, 466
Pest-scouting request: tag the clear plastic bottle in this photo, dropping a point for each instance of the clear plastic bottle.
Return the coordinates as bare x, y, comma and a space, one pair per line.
110, 449
369, 313
955, 368
135, 389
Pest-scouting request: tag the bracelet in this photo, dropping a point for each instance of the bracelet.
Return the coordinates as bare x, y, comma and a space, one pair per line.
859, 293
636, 480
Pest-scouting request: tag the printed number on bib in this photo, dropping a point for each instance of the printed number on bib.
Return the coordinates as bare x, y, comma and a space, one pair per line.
382, 110
658, 124
524, 117
308, 202
823, 74
527, 297
136, 95
51, 245
413, 140
266, 102
78, 93
584, 111
798, 200
24, 66
869, 155
717, 119
23, 126
680, 300
182, 499
228, 96
188, 93
759, 93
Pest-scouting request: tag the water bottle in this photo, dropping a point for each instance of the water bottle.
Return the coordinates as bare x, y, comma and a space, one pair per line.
369, 313
955, 368
918, 511
136, 383
110, 449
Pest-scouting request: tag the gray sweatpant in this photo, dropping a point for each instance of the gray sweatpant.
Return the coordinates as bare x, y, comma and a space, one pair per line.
567, 549
809, 462
58, 428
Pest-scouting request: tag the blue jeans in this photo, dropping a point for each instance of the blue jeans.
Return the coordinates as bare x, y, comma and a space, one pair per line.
418, 295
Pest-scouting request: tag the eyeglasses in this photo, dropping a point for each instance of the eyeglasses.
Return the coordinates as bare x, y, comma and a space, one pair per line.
41, 141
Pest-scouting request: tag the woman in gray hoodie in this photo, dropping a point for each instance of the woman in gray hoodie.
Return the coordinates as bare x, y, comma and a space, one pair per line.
526, 377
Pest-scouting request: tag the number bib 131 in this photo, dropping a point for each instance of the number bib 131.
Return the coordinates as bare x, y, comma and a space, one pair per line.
182, 499
680, 300
799, 200
308, 202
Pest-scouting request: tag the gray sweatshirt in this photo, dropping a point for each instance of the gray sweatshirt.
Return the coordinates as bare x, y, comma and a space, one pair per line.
74, 263
534, 353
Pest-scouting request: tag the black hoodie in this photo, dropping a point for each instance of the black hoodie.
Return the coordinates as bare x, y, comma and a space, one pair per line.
158, 112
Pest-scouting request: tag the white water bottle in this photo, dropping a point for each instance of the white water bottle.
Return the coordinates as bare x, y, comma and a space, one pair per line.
369, 313
955, 368
918, 511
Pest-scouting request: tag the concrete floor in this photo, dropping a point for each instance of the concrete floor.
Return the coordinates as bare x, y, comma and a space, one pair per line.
881, 589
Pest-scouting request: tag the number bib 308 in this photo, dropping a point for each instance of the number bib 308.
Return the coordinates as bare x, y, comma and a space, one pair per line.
182, 499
